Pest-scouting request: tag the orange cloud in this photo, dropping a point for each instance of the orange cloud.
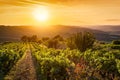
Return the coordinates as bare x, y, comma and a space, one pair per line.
112, 20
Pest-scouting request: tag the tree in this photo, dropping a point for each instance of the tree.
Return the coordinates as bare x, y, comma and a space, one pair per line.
24, 38
81, 41
60, 38
53, 43
34, 38
116, 42
45, 38
70, 43
29, 38
39, 41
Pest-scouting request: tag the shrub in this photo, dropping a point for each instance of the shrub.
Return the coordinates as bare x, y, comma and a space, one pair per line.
81, 41
116, 42
60, 38
115, 46
53, 43
45, 38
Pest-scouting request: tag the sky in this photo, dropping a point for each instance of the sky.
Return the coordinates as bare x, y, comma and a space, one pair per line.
65, 12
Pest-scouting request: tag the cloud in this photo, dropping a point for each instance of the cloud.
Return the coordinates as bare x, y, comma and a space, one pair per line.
62, 2
28, 2
112, 20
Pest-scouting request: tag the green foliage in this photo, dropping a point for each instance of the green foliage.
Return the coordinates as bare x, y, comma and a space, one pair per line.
115, 46
45, 39
53, 43
58, 37
24, 38
39, 41
116, 42
9, 55
53, 64
118, 64
102, 64
81, 41
33, 38
70, 43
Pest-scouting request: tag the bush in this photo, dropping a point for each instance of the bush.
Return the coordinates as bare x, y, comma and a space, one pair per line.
45, 39
81, 41
53, 43
116, 42
24, 38
60, 38
115, 46
39, 41
33, 38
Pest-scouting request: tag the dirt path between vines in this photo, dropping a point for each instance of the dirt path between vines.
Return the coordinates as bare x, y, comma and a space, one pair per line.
25, 68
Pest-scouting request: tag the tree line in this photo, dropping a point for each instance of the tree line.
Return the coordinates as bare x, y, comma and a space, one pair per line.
80, 41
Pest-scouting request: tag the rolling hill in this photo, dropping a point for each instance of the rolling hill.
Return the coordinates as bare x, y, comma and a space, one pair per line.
14, 33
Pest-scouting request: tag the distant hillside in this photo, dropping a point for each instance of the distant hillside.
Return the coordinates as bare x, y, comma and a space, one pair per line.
13, 33
106, 28
111, 29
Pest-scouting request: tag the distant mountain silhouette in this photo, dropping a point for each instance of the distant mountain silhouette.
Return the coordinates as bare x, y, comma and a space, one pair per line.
106, 28
14, 33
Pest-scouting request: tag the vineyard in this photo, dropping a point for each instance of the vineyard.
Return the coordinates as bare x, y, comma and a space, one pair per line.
33, 61
9, 54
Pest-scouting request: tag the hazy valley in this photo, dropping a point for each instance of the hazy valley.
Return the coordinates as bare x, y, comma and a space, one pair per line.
13, 33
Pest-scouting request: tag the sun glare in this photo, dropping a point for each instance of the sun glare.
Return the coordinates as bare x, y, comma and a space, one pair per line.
41, 14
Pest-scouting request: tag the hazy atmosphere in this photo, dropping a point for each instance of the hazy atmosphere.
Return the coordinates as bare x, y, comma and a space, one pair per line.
69, 12
59, 39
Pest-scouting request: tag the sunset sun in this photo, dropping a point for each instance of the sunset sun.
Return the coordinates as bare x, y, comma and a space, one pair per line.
41, 14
